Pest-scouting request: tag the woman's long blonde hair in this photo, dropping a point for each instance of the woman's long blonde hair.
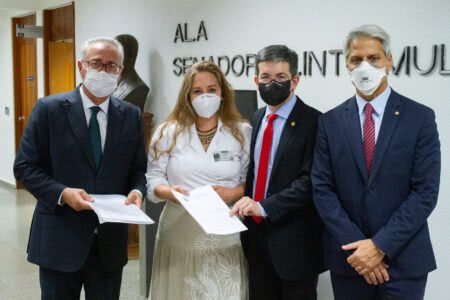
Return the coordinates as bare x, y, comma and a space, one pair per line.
184, 115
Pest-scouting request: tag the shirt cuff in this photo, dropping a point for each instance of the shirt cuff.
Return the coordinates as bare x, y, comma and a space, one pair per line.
263, 212
60, 200
138, 191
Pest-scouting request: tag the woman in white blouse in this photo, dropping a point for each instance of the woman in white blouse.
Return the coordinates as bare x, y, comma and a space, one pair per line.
204, 141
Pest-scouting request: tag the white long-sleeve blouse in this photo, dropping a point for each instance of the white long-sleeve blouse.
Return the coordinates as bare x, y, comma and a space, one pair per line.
224, 163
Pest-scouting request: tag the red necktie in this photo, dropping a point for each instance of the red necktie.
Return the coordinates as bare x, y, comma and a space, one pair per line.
261, 179
369, 136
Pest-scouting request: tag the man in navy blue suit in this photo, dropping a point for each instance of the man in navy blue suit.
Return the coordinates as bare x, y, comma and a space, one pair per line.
75, 144
375, 178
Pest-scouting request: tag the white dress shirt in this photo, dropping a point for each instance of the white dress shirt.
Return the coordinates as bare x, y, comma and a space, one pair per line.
378, 104
190, 166
102, 115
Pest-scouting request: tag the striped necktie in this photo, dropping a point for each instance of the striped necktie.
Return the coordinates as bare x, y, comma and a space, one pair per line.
369, 136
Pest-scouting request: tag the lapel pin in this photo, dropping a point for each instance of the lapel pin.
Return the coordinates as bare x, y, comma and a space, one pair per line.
292, 123
397, 113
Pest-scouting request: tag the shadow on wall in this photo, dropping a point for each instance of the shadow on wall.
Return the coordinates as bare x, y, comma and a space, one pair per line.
157, 102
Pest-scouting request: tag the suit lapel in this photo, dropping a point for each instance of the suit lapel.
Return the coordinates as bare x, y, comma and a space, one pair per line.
388, 126
257, 120
73, 109
354, 136
113, 128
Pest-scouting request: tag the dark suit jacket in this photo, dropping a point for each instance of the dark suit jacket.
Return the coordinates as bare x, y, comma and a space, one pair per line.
293, 226
55, 152
391, 206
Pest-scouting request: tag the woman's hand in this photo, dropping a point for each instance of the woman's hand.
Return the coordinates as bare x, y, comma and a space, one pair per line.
229, 195
180, 190
164, 191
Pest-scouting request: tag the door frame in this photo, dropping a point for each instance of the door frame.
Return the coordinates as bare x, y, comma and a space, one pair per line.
17, 86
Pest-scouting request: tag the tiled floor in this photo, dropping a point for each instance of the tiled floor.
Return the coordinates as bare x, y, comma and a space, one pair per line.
18, 278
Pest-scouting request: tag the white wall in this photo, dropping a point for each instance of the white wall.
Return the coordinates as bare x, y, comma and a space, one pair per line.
7, 130
32, 4
22, 4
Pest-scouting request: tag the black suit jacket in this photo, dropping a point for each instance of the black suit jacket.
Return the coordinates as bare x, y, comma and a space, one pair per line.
293, 226
55, 152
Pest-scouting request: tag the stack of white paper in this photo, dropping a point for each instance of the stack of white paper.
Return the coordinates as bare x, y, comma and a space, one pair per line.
210, 212
112, 208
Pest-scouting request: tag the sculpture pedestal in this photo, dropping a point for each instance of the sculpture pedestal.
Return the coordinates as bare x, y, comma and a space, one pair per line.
133, 241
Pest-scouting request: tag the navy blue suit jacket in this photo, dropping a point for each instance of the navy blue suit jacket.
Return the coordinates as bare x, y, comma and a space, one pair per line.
391, 206
293, 226
55, 152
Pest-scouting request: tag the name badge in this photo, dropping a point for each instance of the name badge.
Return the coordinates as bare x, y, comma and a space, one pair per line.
223, 156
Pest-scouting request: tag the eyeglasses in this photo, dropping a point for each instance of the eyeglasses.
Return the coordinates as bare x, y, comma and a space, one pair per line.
266, 78
98, 66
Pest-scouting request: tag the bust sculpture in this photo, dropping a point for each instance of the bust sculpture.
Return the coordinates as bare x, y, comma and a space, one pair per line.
131, 88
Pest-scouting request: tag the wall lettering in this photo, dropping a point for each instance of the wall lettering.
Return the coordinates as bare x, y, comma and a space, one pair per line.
311, 63
328, 62
183, 35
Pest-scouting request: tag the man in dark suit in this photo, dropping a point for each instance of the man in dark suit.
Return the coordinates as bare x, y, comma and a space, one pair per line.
282, 243
376, 180
75, 144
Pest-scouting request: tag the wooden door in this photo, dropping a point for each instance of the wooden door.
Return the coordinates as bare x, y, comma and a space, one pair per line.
59, 50
61, 67
25, 76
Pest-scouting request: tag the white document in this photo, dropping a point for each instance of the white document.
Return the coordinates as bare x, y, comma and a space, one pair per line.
112, 208
210, 212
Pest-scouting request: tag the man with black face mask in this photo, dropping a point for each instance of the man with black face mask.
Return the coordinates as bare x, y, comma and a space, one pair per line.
282, 243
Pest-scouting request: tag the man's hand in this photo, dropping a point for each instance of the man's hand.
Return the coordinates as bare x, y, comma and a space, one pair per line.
378, 275
134, 198
77, 199
366, 257
246, 207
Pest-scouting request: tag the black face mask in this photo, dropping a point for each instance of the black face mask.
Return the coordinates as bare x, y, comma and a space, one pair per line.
275, 92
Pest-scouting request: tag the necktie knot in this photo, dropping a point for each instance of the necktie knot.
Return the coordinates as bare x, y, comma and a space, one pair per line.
368, 109
95, 109
272, 117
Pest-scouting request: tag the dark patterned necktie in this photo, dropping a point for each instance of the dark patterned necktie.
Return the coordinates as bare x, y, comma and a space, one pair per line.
94, 132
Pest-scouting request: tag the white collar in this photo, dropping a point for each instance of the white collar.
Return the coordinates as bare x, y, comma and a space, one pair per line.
378, 104
87, 103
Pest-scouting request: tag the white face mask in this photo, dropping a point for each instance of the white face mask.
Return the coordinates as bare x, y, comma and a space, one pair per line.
206, 105
100, 84
367, 78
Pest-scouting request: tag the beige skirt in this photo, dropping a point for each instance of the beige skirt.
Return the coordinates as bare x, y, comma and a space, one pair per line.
189, 264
